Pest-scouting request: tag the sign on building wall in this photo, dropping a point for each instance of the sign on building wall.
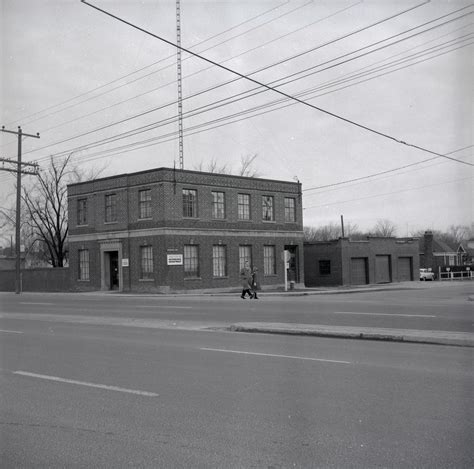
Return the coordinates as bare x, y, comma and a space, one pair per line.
175, 259
124, 262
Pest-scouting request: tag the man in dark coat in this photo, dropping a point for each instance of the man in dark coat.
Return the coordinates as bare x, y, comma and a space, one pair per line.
246, 278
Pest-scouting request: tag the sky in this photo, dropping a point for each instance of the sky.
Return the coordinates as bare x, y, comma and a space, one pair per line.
367, 75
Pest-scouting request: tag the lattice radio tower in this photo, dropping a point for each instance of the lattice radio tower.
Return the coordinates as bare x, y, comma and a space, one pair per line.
180, 88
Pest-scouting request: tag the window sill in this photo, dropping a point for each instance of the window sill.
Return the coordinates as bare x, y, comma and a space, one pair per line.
146, 279
83, 280
110, 222
220, 278
145, 219
82, 225
268, 221
192, 278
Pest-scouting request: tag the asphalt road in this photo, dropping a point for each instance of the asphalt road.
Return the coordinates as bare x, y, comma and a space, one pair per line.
103, 395
229, 400
442, 307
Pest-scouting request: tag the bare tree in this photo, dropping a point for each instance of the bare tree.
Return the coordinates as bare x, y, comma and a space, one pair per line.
245, 169
384, 228
44, 224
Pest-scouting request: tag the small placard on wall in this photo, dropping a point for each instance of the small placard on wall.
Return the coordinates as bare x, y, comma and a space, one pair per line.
175, 259
125, 262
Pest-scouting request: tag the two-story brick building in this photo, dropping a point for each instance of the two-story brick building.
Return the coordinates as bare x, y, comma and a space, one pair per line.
168, 230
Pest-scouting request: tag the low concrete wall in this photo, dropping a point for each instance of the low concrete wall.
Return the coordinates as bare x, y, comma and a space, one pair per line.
41, 279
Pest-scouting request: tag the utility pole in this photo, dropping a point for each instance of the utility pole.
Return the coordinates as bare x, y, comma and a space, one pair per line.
19, 171
342, 225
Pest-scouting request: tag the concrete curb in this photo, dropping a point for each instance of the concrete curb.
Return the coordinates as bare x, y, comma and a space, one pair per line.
461, 339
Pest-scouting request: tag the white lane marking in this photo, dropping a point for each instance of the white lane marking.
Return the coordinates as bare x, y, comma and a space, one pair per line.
274, 355
164, 307
11, 332
84, 383
35, 303
388, 314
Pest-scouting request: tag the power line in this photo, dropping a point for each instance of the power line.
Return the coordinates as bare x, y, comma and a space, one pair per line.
202, 109
389, 193
368, 176
280, 79
143, 68
349, 121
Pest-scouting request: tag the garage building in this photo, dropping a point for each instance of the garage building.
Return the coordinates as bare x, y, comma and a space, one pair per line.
373, 260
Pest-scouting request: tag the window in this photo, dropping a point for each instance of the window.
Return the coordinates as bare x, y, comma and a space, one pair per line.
191, 261
245, 255
289, 210
83, 264
243, 206
269, 265
189, 203
219, 261
267, 206
82, 212
218, 205
146, 262
110, 208
144, 203
324, 267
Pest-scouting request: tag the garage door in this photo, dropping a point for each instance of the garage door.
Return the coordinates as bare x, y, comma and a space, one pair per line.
405, 271
382, 269
359, 270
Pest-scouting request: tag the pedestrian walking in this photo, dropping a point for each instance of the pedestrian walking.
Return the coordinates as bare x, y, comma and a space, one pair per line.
254, 285
246, 278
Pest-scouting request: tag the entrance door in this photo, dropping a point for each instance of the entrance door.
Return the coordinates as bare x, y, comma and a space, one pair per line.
114, 271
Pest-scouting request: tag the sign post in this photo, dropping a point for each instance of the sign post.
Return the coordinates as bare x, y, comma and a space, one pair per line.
285, 256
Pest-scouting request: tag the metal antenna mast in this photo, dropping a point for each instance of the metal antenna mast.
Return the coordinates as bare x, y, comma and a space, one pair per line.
180, 89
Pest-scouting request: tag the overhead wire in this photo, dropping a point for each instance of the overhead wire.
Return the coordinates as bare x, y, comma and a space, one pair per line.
216, 105
287, 59
144, 68
337, 116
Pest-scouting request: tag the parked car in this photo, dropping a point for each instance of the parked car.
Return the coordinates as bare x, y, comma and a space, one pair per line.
426, 274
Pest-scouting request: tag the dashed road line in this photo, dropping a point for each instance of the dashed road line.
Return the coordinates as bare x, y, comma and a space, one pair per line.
160, 307
11, 332
35, 303
275, 355
387, 314
84, 383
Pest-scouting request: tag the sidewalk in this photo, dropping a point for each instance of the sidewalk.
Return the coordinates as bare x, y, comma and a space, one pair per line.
463, 339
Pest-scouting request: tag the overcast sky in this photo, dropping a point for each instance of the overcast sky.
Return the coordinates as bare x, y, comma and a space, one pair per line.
79, 77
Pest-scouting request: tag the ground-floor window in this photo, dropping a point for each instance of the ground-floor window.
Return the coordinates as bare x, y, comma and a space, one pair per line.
325, 267
146, 262
269, 262
219, 264
245, 255
83, 264
191, 261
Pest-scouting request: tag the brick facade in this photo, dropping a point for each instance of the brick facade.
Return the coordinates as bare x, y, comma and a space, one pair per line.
167, 231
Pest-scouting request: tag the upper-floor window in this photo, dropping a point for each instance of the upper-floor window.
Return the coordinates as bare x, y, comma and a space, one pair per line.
243, 206
267, 208
144, 203
82, 212
290, 209
189, 203
218, 205
110, 208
